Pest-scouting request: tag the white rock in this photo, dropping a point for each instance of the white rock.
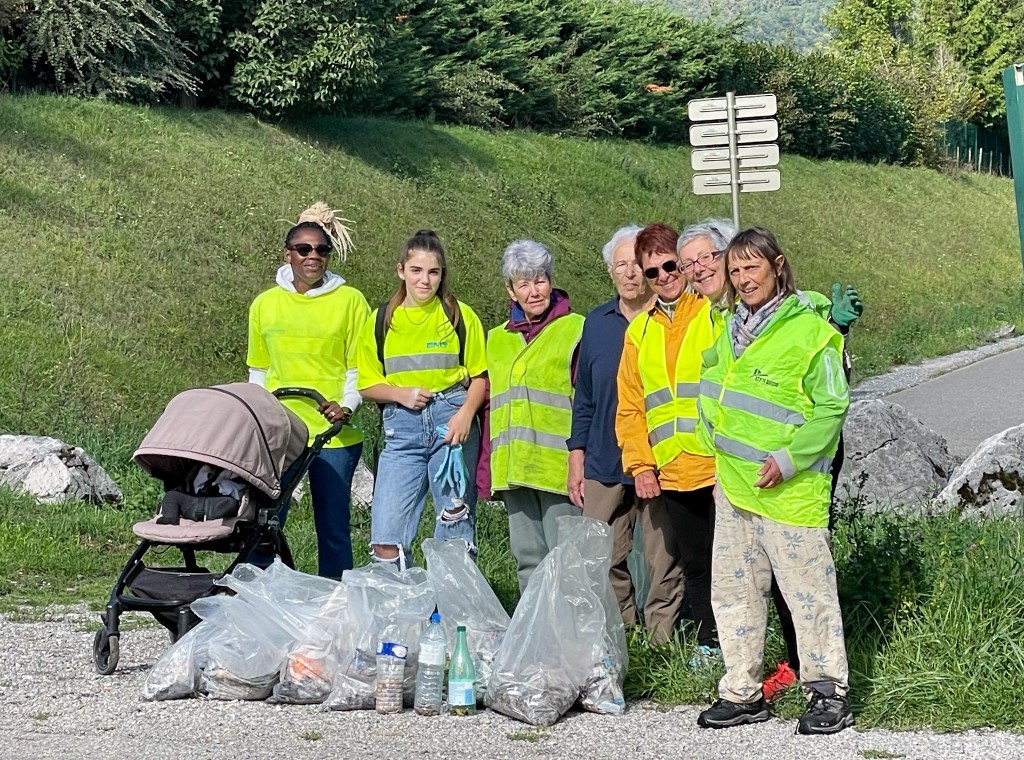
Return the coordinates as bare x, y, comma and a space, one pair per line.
362, 485
53, 471
990, 482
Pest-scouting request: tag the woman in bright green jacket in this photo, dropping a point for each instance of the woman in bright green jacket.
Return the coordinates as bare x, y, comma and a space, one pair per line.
773, 400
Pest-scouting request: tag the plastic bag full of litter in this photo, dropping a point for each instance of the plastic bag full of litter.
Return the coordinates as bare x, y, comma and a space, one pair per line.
464, 597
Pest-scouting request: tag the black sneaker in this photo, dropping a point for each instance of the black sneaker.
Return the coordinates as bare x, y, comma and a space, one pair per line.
825, 715
725, 714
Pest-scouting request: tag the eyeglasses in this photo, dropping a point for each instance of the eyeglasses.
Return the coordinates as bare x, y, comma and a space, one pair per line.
670, 266
621, 267
304, 249
704, 260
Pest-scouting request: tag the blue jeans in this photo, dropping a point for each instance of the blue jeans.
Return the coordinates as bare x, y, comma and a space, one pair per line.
413, 452
330, 488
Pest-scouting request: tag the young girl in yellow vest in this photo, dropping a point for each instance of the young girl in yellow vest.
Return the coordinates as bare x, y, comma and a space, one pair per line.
430, 387
303, 332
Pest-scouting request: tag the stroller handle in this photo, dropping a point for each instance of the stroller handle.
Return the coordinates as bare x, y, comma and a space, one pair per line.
319, 400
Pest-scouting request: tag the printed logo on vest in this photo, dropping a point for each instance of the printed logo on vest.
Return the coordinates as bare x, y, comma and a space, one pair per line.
437, 344
761, 377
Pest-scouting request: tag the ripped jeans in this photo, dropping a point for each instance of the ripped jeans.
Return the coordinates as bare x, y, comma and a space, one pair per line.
413, 452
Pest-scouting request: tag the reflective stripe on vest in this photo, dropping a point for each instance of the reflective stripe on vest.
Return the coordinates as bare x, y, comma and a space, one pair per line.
531, 405
671, 409
754, 405
419, 362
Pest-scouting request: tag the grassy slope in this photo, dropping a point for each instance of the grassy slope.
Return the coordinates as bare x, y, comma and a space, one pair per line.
134, 239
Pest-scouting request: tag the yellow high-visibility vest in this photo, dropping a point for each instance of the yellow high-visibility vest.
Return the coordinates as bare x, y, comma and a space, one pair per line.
755, 404
671, 407
531, 405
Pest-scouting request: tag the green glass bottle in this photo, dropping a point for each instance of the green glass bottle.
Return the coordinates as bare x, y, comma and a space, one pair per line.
461, 677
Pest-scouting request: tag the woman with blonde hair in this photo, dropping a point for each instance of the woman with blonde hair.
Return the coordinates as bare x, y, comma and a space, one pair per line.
303, 332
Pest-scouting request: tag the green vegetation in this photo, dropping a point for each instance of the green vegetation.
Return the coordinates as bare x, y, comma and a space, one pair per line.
795, 23
135, 239
896, 70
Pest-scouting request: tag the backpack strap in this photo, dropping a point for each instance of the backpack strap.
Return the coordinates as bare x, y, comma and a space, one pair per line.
378, 335
460, 329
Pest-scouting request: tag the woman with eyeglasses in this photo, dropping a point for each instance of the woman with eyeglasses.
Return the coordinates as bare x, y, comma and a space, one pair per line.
421, 357
656, 424
303, 332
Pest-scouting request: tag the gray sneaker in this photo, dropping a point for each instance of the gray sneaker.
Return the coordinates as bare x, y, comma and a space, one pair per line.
825, 715
725, 714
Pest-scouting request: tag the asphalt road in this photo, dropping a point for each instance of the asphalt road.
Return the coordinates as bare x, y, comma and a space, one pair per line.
971, 403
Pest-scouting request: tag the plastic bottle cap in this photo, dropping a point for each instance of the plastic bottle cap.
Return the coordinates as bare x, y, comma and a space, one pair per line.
435, 618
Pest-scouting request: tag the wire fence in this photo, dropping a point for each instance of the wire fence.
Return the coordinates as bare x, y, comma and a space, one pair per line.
979, 149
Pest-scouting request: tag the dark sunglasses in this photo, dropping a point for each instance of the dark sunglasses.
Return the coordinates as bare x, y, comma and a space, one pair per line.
304, 249
670, 266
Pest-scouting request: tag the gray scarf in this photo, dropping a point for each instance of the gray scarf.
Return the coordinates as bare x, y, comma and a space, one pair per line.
746, 327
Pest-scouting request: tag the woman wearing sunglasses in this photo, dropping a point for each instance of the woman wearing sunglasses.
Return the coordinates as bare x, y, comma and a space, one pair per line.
303, 332
656, 423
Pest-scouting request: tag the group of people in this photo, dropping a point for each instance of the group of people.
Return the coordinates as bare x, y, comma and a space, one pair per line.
705, 401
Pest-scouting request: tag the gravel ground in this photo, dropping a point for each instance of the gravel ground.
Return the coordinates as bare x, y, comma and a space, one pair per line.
56, 707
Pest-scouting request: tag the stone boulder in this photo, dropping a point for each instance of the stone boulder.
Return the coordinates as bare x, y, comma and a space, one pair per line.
990, 483
892, 460
54, 471
362, 486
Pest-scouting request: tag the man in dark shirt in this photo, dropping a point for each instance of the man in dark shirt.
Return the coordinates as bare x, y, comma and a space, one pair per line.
596, 482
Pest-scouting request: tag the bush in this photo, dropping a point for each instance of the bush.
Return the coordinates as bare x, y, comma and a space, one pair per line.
829, 106
585, 67
294, 56
117, 49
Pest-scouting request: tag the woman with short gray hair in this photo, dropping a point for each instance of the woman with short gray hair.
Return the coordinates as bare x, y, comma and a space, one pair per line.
530, 363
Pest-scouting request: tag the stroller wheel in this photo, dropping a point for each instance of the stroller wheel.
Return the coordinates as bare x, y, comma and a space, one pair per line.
106, 651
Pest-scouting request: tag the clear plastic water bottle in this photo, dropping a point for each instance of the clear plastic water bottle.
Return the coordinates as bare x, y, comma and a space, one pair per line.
430, 674
390, 674
461, 677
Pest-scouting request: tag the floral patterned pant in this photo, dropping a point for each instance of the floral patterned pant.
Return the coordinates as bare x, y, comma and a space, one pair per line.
748, 548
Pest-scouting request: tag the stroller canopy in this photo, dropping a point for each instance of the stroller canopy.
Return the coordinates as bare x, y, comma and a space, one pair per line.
240, 427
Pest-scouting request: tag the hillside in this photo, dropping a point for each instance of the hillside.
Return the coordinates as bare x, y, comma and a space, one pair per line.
792, 22
134, 239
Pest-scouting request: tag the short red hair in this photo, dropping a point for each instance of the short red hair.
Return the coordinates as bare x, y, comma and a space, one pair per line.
655, 238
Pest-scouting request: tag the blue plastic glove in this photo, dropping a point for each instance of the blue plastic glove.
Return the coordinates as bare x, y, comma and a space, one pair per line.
452, 471
846, 305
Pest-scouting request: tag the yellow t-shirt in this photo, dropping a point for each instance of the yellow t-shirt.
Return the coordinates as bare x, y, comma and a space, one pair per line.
422, 349
308, 341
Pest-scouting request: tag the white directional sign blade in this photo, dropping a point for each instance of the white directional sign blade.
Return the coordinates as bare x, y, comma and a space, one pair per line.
762, 181
711, 184
750, 157
747, 107
759, 131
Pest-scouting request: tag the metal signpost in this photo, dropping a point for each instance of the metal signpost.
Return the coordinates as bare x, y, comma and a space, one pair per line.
738, 150
1013, 86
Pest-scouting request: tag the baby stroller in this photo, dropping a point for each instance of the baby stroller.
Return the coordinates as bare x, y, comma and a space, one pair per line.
229, 457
